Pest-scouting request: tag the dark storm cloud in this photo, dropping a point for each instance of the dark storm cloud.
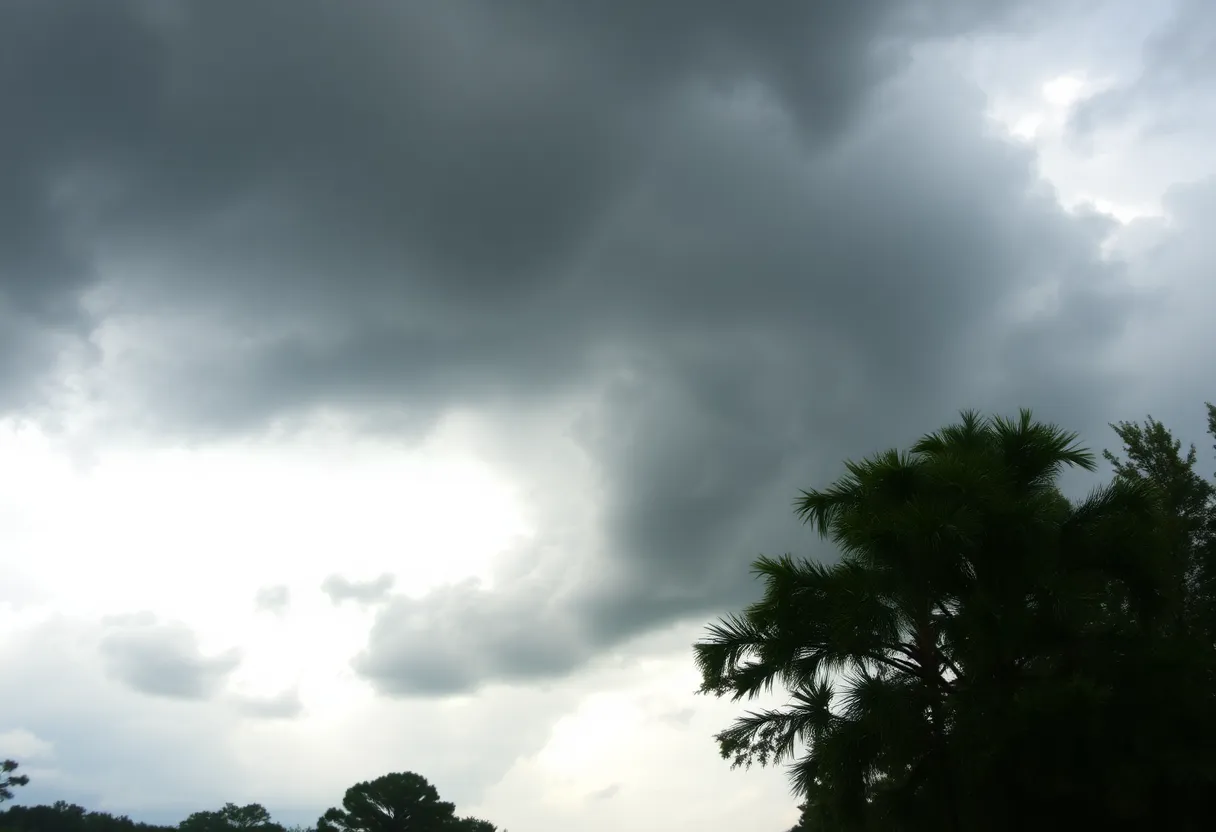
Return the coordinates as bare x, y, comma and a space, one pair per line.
459, 636
753, 241
427, 157
798, 310
164, 660
73, 81
341, 589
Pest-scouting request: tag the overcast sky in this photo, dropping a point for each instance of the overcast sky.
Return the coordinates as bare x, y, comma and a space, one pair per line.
403, 386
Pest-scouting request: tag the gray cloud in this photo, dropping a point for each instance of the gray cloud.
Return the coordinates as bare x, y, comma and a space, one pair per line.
737, 246
371, 591
273, 599
459, 636
112, 752
1173, 93
283, 705
1148, 124
1170, 341
832, 312
72, 82
430, 157
164, 660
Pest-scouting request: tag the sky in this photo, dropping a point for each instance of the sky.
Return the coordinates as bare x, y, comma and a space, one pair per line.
404, 386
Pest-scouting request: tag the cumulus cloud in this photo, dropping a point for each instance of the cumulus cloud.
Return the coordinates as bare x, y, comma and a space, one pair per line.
457, 637
371, 591
113, 752
111, 755
24, 745
164, 659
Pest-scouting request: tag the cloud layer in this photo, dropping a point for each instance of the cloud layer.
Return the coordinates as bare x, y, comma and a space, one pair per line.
731, 247
655, 266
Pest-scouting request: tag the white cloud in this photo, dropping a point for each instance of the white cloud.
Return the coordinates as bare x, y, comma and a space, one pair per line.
24, 745
638, 751
188, 532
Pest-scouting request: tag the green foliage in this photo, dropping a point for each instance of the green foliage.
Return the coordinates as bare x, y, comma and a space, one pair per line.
68, 817
399, 802
1155, 457
8, 779
986, 654
253, 817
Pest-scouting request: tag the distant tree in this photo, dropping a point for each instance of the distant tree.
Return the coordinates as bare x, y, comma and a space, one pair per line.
253, 817
68, 817
8, 779
61, 817
398, 802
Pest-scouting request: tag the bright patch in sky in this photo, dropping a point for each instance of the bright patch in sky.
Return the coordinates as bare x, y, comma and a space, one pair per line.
191, 535
1042, 120
1065, 90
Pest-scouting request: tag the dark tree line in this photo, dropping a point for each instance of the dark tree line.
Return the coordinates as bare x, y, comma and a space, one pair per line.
400, 802
986, 654
67, 817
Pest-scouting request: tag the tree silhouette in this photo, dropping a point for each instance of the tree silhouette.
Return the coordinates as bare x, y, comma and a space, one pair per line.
978, 656
8, 779
68, 817
1154, 456
399, 802
231, 817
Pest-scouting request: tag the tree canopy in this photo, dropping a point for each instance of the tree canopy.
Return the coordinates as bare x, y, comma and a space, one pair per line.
68, 817
399, 802
253, 818
986, 654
